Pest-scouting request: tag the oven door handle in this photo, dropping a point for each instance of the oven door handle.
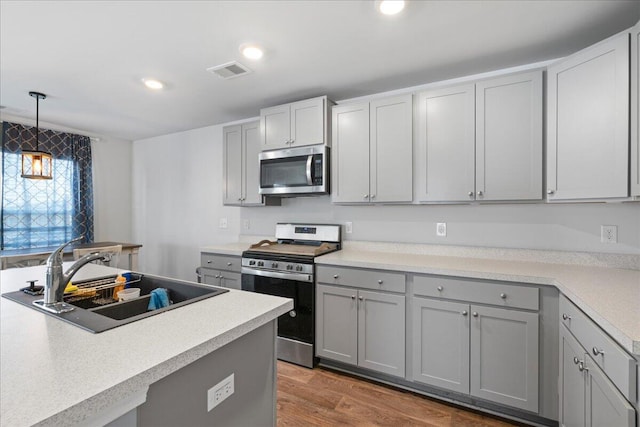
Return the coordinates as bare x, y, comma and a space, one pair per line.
299, 277
309, 163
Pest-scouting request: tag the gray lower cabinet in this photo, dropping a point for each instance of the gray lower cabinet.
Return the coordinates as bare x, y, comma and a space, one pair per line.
220, 270
587, 396
490, 353
362, 328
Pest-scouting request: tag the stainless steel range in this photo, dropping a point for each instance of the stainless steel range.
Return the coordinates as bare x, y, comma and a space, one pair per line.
286, 268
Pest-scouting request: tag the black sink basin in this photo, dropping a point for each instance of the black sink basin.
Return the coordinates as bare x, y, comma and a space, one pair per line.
91, 313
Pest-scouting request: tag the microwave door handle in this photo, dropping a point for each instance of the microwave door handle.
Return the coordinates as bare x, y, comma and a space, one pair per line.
309, 162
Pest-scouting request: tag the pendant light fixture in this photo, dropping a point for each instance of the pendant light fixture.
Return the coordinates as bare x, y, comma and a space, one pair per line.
37, 164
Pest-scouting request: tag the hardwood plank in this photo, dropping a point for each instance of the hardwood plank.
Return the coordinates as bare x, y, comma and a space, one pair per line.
321, 397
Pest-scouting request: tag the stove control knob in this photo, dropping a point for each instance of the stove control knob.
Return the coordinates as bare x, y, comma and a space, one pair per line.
289, 267
274, 265
260, 264
252, 262
298, 268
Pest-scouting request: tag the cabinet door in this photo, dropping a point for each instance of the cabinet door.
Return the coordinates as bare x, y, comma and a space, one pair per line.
446, 144
504, 356
308, 122
391, 152
381, 336
572, 382
350, 153
232, 166
441, 344
251, 150
588, 123
606, 406
275, 127
635, 110
210, 277
509, 138
337, 324
230, 280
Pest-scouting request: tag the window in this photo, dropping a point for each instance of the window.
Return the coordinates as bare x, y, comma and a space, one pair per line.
43, 213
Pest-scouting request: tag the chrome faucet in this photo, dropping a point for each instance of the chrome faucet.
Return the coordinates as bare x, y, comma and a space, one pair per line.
57, 280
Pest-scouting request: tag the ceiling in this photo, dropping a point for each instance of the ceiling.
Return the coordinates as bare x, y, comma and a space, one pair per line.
89, 57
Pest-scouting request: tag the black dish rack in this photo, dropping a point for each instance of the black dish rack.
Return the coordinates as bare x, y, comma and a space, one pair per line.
98, 292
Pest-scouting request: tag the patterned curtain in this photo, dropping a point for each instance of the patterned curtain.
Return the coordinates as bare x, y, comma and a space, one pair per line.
41, 213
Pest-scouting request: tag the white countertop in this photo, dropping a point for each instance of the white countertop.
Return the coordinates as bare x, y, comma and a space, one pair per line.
610, 296
55, 373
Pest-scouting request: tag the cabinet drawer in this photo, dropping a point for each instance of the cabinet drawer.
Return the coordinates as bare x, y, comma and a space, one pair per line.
619, 366
221, 262
369, 279
503, 295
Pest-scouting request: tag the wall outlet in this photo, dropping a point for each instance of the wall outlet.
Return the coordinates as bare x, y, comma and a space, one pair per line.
223, 222
219, 392
348, 227
609, 233
246, 224
441, 229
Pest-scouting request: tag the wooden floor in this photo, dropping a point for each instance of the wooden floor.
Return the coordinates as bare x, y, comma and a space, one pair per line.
320, 397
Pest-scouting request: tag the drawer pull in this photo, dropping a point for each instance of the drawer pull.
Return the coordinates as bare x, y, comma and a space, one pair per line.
596, 351
335, 276
475, 314
503, 296
217, 276
581, 367
565, 316
209, 262
576, 360
361, 298
464, 312
380, 282
353, 297
229, 264
440, 288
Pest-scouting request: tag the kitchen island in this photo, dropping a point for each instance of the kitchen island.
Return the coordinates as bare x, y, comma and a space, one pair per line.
54, 373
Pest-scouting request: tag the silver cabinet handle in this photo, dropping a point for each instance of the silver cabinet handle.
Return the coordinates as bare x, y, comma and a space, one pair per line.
335, 276
479, 193
464, 312
475, 314
380, 282
229, 264
361, 298
353, 297
596, 351
239, 199
581, 367
366, 196
440, 288
576, 360
550, 191
470, 193
293, 313
373, 196
565, 316
503, 296
217, 276
291, 141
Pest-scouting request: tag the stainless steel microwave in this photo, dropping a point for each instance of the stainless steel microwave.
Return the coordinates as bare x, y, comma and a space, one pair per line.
295, 171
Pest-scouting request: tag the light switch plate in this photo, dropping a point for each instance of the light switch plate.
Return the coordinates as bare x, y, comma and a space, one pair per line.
348, 227
441, 229
223, 222
609, 233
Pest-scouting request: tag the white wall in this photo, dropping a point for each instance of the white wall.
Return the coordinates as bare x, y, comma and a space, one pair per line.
112, 190
177, 200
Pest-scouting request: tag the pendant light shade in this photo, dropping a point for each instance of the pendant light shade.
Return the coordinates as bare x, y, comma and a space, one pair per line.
37, 164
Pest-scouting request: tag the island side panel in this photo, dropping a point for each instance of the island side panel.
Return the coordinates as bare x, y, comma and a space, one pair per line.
181, 398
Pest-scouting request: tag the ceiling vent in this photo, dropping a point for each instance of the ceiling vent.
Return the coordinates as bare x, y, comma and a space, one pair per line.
229, 70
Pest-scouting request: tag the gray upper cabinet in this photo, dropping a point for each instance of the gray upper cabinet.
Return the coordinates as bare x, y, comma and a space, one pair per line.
481, 141
241, 179
294, 125
373, 151
588, 123
635, 111
446, 160
509, 138
504, 356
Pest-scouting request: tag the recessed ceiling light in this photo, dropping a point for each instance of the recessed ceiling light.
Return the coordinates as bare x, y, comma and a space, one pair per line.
153, 84
251, 51
390, 7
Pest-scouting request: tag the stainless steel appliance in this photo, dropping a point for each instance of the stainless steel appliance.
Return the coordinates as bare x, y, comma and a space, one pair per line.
295, 171
286, 268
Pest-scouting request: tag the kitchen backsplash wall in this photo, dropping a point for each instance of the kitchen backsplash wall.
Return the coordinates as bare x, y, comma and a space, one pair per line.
177, 207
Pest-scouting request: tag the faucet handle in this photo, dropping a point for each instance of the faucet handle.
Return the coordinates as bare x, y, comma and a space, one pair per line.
57, 254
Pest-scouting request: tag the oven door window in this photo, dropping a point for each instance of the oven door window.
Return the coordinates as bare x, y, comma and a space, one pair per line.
285, 172
298, 323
